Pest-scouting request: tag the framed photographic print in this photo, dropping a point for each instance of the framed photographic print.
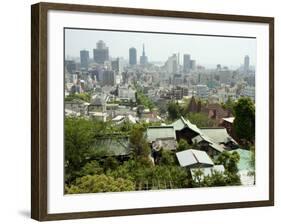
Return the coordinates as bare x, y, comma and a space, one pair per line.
141, 111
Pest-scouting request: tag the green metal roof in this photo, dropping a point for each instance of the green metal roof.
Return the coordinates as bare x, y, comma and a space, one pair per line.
113, 146
160, 132
182, 123
218, 135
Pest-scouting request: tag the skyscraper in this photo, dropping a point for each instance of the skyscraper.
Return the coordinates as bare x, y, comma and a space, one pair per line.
192, 64
101, 53
246, 63
172, 64
84, 59
186, 62
117, 65
108, 78
133, 56
143, 58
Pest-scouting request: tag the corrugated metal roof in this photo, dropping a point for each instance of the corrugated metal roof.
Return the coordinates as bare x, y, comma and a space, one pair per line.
160, 132
191, 157
211, 142
218, 135
182, 123
113, 146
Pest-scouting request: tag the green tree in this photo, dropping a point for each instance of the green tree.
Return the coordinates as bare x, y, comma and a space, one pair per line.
183, 145
78, 140
91, 168
167, 157
99, 183
80, 144
244, 123
144, 100
229, 105
139, 145
174, 110
200, 119
216, 179
80, 96
229, 160
110, 163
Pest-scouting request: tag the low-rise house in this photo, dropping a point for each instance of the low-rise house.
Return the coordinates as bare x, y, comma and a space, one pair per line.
98, 104
160, 132
220, 137
75, 107
212, 110
193, 158
206, 144
119, 119
165, 144
185, 130
227, 123
115, 146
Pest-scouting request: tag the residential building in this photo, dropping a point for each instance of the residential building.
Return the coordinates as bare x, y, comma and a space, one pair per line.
202, 91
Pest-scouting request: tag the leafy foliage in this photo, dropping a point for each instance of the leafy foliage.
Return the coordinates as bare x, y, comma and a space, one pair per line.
229, 160
183, 145
144, 100
80, 96
244, 123
200, 119
99, 183
139, 144
174, 110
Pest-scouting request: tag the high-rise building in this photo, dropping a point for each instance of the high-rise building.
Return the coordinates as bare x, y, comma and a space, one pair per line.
132, 56
192, 64
172, 64
84, 59
118, 65
246, 63
108, 78
101, 53
143, 58
186, 62
70, 66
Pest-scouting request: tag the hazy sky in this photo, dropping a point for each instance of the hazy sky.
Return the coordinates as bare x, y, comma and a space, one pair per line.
206, 50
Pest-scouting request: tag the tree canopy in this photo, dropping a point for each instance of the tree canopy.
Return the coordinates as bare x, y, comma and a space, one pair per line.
244, 123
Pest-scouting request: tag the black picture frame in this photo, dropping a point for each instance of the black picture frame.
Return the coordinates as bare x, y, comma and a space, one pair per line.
39, 108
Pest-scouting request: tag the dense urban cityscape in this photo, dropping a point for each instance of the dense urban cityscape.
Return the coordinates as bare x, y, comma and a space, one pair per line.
135, 124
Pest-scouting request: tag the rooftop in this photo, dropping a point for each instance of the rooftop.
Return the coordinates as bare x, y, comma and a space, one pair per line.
218, 135
182, 123
113, 146
229, 119
160, 132
194, 158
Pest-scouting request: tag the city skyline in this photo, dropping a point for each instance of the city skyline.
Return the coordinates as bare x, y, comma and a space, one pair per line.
206, 50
